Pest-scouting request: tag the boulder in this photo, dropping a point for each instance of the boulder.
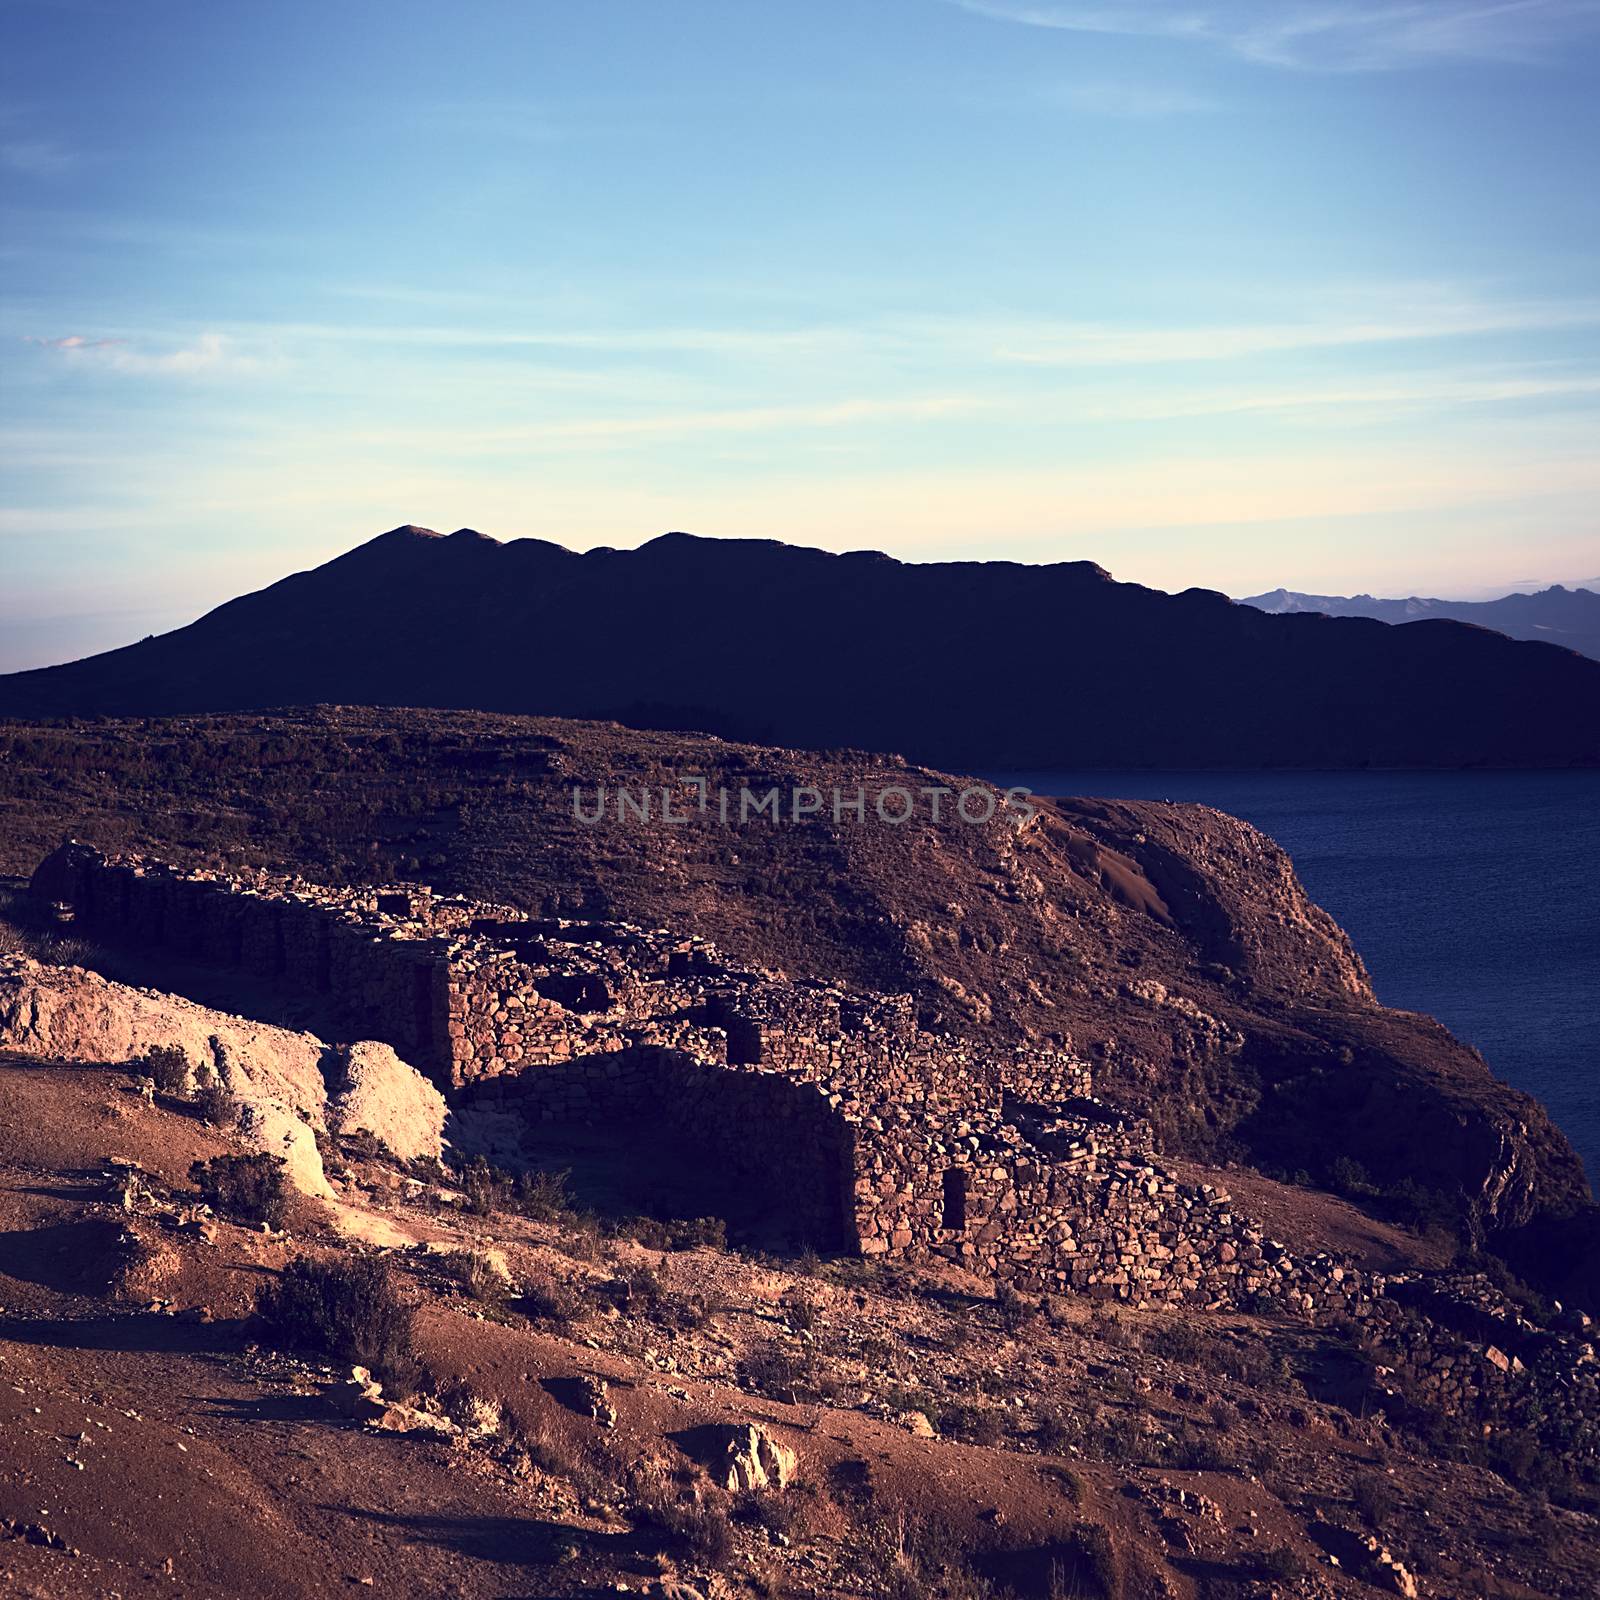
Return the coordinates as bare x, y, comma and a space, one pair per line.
373, 1089
267, 1125
755, 1460
357, 1395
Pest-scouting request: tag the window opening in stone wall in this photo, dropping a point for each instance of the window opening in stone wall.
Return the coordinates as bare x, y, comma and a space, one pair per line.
955, 1199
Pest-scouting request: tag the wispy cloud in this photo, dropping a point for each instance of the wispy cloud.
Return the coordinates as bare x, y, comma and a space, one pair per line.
625, 430
1099, 344
210, 353
71, 341
1358, 401
36, 158
1321, 35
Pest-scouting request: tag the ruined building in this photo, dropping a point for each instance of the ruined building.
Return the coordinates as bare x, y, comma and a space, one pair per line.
832, 1110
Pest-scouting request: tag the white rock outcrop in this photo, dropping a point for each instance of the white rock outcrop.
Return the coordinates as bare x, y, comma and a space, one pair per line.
275, 1074
755, 1460
375, 1090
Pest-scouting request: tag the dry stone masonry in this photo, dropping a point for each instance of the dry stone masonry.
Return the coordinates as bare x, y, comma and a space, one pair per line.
862, 1132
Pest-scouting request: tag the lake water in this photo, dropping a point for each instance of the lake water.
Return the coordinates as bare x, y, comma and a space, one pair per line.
1472, 896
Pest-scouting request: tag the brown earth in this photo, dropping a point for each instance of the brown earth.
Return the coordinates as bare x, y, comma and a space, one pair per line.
1170, 943
154, 1441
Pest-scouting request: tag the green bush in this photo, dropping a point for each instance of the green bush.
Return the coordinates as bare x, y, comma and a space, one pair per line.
218, 1105
348, 1309
247, 1188
169, 1067
1375, 1498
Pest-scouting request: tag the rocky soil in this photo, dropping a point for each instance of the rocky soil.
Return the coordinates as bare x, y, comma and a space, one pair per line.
1171, 943
586, 1410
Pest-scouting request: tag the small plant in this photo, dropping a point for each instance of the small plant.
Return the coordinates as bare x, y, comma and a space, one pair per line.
1016, 1310
1374, 1496
479, 1274
348, 1309
168, 1067
65, 950
218, 1105
247, 1188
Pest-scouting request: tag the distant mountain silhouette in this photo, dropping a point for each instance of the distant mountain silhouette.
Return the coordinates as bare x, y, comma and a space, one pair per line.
1557, 615
974, 665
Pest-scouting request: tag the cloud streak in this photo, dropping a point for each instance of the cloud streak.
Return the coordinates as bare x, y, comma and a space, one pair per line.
1323, 35
36, 158
1099, 344
210, 353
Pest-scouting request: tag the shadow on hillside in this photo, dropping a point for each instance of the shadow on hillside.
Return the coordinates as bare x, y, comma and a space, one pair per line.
80, 1257
517, 1541
140, 1332
274, 1408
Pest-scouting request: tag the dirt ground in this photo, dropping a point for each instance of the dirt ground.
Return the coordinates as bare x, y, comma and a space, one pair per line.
155, 1441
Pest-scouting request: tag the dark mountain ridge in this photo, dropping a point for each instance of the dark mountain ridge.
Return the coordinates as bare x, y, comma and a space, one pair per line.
975, 664
1556, 615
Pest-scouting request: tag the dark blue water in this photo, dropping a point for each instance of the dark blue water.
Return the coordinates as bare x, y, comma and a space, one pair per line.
1472, 896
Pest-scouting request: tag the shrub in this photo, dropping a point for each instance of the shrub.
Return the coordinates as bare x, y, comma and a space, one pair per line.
543, 1196
1054, 1431
218, 1105
1349, 1177
1101, 1558
775, 1513
697, 1530
971, 1424
554, 1302
1016, 1310
771, 1370
169, 1067
348, 1309
801, 1312
1280, 1563
487, 1188
249, 1188
478, 1274
676, 1233
1374, 1496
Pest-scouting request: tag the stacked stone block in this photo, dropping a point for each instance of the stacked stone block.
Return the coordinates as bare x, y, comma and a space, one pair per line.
870, 1134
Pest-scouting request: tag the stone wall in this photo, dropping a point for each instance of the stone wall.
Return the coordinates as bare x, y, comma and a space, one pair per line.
829, 1110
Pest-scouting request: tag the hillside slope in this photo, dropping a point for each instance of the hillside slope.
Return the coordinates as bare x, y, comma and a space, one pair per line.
974, 665
1171, 943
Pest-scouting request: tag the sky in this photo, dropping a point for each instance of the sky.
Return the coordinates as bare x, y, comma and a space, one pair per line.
1227, 293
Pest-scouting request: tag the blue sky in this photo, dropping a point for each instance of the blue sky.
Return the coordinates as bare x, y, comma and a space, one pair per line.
1225, 292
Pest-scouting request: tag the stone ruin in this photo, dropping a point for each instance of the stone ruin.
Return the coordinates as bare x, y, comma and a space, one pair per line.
864, 1133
